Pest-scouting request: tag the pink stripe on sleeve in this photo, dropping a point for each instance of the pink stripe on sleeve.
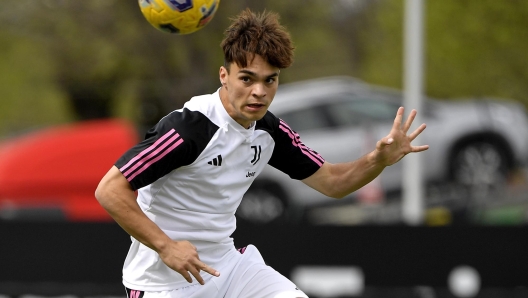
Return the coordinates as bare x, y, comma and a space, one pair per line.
153, 153
297, 143
147, 151
145, 166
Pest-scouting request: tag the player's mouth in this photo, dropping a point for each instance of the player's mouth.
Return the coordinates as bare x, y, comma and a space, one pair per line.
256, 106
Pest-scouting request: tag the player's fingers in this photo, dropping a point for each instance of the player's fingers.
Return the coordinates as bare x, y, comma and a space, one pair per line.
381, 144
409, 121
196, 273
209, 270
417, 132
398, 119
419, 148
185, 275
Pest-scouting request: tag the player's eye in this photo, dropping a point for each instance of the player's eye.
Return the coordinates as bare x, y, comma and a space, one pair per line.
271, 80
245, 79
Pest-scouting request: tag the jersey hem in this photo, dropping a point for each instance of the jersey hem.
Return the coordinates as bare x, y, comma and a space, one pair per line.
159, 288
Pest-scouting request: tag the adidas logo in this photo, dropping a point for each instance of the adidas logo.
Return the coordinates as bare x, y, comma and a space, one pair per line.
217, 161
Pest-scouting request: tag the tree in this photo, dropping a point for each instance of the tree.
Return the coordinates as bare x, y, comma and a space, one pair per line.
473, 48
109, 62
75, 60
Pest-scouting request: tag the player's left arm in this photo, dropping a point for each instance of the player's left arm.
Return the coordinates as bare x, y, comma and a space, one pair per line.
341, 179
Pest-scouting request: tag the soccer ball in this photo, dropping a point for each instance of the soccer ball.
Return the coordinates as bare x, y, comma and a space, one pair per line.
179, 16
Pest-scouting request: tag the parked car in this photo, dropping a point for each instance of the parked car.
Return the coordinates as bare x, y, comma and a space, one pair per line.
51, 174
476, 143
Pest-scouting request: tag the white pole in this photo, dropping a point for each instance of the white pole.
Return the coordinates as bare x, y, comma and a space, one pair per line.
412, 185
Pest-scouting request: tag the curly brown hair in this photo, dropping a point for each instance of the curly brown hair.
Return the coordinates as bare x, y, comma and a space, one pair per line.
259, 34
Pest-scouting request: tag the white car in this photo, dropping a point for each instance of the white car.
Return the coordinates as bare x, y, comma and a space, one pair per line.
475, 143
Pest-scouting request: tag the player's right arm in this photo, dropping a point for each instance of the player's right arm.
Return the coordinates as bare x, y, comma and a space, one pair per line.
117, 197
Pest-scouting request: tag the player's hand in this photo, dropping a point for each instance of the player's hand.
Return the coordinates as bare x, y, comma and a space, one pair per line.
397, 143
182, 257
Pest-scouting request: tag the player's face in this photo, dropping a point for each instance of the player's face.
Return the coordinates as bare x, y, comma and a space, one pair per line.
247, 92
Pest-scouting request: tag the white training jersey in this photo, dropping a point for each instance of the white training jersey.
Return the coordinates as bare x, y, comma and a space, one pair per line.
191, 173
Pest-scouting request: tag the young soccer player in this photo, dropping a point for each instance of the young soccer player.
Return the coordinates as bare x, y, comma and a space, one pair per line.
190, 174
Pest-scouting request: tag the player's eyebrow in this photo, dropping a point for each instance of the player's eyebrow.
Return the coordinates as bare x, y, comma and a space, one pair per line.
251, 73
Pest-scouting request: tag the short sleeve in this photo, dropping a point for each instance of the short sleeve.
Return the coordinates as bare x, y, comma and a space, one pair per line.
175, 141
290, 154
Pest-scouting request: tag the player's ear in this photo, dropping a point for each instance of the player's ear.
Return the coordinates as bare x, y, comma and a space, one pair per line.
223, 75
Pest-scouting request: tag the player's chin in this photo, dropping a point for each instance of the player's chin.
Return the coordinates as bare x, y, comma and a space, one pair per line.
255, 115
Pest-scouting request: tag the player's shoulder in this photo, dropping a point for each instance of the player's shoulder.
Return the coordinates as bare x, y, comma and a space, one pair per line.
197, 108
191, 121
205, 103
268, 122
274, 125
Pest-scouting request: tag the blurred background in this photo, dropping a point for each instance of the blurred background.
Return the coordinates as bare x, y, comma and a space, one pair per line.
81, 81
